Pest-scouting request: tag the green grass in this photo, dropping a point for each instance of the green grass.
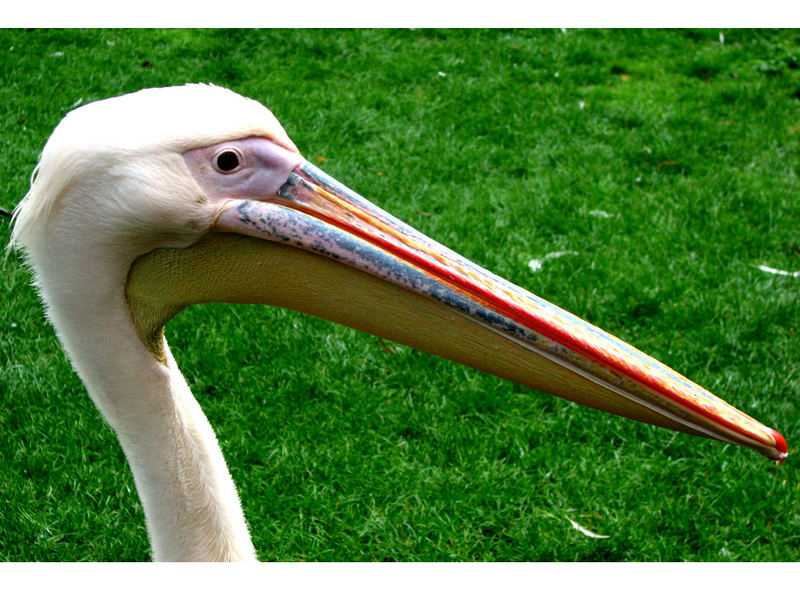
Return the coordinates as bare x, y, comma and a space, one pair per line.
345, 447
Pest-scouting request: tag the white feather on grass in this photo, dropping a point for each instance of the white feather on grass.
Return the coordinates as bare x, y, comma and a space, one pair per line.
536, 264
584, 531
766, 269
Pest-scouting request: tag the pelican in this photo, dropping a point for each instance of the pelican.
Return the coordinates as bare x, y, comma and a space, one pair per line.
144, 204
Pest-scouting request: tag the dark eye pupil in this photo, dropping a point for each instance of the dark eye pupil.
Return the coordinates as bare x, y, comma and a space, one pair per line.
227, 161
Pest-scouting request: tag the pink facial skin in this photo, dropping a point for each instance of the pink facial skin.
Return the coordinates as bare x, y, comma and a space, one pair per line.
263, 167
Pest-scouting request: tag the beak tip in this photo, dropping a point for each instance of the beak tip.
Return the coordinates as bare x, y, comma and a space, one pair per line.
780, 447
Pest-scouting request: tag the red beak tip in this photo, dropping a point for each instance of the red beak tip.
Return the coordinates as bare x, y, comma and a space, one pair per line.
780, 446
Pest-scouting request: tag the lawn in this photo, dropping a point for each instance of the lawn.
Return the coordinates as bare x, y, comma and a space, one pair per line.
665, 162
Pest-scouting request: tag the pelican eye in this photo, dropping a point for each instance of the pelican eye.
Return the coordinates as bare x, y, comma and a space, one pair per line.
227, 161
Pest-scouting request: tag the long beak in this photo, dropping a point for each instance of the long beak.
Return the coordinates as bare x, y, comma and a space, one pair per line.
534, 342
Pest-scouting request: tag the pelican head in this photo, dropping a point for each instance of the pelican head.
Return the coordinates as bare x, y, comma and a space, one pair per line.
147, 203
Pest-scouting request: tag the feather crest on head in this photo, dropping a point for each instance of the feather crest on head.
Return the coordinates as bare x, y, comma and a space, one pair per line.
94, 137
